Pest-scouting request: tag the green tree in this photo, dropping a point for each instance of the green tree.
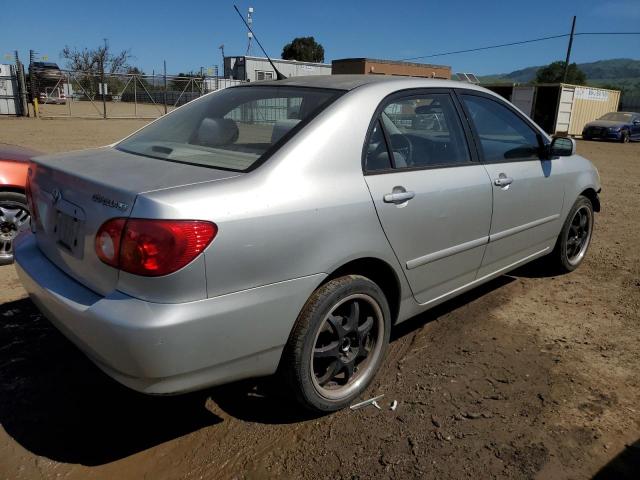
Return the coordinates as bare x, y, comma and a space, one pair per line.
554, 73
304, 49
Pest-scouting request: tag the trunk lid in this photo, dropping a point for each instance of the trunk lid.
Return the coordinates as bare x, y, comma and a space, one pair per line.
75, 193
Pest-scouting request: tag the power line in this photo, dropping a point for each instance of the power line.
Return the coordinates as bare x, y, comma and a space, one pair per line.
608, 33
522, 42
487, 47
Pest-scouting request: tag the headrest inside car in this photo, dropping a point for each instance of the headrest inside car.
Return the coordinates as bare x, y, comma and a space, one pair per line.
428, 109
214, 132
281, 127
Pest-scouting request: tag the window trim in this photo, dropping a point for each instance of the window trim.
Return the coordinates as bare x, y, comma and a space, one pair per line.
543, 141
413, 93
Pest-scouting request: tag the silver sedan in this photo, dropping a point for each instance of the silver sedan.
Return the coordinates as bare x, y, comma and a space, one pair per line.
287, 226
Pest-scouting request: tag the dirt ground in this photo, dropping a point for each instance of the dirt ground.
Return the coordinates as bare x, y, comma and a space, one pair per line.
529, 376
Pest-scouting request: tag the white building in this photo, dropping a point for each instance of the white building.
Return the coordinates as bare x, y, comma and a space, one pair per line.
255, 69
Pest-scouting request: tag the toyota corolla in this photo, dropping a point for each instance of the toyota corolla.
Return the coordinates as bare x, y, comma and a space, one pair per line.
287, 226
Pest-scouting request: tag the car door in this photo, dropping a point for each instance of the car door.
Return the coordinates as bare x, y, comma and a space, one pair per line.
432, 196
528, 193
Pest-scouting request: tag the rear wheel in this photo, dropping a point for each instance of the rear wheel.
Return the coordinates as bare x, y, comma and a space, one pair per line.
337, 344
575, 237
14, 218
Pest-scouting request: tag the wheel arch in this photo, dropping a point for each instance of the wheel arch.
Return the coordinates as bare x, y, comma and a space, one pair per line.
592, 195
379, 272
12, 189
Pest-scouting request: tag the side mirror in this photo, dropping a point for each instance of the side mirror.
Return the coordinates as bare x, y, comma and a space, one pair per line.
562, 147
636, 122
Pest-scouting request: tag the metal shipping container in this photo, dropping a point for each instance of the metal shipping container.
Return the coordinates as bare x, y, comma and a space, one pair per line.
561, 109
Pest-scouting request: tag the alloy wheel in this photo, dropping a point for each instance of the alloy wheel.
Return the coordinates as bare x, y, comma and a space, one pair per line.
579, 234
347, 345
14, 218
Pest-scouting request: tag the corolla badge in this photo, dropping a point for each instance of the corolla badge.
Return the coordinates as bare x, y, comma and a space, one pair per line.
107, 202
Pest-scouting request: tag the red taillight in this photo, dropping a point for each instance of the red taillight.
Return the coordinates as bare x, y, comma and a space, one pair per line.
152, 247
108, 241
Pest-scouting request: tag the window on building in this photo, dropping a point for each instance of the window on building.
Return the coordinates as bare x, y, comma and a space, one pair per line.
263, 75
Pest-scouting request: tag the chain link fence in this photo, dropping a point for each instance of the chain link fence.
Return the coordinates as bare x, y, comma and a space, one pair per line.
83, 95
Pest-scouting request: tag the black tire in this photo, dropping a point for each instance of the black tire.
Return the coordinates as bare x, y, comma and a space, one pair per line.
567, 255
301, 364
14, 217
625, 138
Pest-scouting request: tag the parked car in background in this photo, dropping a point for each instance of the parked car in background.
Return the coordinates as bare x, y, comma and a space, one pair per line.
229, 240
54, 96
621, 126
14, 214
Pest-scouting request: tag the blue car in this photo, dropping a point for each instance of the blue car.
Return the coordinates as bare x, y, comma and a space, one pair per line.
620, 126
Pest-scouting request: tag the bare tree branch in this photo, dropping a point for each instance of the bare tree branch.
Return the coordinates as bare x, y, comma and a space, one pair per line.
95, 61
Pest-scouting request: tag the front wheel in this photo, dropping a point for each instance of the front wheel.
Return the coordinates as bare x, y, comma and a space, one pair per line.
575, 237
14, 218
625, 138
337, 343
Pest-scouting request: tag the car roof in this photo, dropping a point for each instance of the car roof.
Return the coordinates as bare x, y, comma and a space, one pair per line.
349, 82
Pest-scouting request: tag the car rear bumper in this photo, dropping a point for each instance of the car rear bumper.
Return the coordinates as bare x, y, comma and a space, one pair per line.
167, 348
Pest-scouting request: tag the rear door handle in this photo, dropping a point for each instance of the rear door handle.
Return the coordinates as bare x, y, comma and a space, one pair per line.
503, 181
398, 196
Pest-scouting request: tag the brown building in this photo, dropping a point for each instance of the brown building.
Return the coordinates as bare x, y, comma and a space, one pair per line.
389, 67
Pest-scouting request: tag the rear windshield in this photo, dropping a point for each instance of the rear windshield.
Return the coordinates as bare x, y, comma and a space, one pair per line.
231, 129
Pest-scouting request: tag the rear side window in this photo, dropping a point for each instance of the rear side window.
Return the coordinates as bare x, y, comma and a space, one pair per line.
377, 152
503, 134
423, 131
231, 129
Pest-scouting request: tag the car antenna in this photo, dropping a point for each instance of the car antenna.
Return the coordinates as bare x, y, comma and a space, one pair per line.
279, 76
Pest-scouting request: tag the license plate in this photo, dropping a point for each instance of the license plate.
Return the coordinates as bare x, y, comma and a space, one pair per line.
66, 230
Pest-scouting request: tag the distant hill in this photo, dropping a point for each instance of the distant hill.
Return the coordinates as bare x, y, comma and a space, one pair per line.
600, 72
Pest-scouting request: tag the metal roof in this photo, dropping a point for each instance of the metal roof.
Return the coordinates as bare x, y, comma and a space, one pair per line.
391, 62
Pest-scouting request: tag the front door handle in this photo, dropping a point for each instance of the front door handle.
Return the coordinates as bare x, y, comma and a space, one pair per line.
503, 180
399, 195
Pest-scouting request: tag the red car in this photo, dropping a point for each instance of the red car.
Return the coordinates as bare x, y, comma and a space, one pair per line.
14, 215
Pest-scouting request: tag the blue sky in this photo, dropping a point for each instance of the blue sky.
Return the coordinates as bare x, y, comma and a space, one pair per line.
187, 34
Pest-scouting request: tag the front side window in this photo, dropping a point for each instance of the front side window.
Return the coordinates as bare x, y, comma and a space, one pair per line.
231, 129
425, 131
503, 134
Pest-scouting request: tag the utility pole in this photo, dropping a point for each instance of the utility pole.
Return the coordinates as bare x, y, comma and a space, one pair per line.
221, 47
566, 62
22, 86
